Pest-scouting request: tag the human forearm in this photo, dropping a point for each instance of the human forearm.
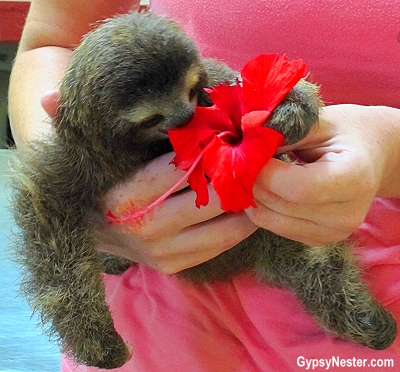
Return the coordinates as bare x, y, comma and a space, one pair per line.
390, 131
35, 71
53, 28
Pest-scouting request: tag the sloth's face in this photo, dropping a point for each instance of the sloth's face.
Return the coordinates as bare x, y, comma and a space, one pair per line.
157, 112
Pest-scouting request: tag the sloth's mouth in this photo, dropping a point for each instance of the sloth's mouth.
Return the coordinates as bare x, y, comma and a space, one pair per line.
163, 133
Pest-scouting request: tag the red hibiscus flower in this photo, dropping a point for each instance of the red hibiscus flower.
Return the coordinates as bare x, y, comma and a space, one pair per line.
228, 141
226, 144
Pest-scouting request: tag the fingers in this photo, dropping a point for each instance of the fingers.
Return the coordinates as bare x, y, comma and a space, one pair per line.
174, 215
146, 185
156, 178
175, 235
204, 241
334, 178
343, 215
315, 203
176, 212
176, 250
179, 210
309, 231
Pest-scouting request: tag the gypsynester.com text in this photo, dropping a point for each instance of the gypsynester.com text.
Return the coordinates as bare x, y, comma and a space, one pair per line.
336, 362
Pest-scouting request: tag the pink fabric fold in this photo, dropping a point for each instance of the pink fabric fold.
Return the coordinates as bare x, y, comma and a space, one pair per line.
244, 325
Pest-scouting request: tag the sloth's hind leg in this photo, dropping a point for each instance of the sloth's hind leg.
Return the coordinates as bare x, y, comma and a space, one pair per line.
334, 292
328, 282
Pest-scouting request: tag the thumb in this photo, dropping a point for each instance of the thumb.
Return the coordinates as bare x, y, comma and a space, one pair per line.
315, 145
49, 102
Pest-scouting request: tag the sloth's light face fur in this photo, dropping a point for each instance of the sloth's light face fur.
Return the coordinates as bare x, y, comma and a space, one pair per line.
158, 112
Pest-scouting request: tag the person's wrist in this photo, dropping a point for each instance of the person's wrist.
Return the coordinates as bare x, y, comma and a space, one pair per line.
389, 127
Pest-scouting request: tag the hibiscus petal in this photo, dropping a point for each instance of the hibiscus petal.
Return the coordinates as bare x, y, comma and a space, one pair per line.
199, 183
255, 118
254, 74
234, 168
221, 145
220, 162
229, 99
189, 140
267, 79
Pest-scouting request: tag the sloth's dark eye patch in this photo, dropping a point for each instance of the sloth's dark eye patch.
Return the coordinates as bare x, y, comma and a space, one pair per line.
152, 121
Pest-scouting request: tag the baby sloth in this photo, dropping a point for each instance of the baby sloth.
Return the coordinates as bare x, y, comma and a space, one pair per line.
132, 79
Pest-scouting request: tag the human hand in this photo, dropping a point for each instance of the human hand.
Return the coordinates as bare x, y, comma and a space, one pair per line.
174, 236
351, 157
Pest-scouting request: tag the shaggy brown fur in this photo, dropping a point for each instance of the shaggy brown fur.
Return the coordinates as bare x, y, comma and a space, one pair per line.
124, 88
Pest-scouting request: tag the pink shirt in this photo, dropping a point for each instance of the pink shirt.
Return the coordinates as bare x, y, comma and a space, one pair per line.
353, 50
245, 326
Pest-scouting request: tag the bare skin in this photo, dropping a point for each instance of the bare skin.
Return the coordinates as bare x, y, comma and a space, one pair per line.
353, 156
355, 148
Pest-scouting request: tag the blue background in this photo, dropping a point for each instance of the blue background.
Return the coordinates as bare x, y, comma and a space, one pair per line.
23, 347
